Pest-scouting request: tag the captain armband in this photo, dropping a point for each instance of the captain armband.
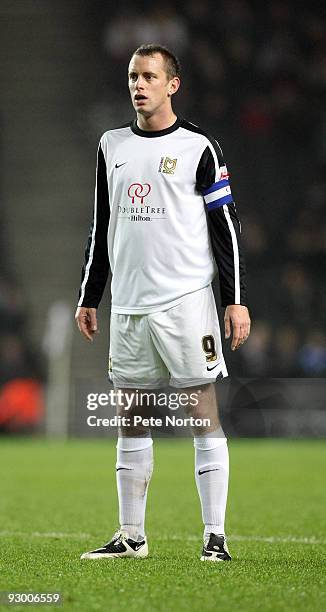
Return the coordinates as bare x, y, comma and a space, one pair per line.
219, 193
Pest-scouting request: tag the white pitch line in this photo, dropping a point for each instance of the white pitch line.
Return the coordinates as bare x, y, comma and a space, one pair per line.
253, 538
189, 538
45, 534
277, 539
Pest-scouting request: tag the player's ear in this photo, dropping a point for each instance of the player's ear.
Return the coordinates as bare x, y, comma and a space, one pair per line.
173, 86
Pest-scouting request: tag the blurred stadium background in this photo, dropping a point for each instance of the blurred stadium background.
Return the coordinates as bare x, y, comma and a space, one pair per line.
254, 75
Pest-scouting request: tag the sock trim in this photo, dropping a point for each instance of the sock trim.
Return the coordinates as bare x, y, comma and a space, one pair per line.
134, 444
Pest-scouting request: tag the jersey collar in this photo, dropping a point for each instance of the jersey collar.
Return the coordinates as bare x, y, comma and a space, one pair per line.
154, 134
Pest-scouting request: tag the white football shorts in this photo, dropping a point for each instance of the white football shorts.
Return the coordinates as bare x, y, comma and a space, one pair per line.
180, 346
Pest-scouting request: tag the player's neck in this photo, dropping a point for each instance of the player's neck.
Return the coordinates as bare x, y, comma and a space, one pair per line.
156, 122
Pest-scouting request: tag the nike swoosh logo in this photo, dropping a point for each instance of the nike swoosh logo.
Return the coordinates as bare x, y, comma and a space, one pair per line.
119, 165
205, 471
117, 470
213, 368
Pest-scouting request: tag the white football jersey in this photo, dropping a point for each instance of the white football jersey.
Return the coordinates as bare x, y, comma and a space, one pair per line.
154, 194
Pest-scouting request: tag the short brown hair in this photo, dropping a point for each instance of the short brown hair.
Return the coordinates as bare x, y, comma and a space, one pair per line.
172, 64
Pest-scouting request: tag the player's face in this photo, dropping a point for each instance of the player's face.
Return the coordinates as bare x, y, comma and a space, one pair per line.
149, 84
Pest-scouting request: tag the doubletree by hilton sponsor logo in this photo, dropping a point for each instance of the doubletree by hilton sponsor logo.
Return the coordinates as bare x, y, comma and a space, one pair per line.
139, 210
139, 191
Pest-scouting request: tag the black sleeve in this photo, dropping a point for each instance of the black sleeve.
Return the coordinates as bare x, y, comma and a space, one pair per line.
96, 267
212, 181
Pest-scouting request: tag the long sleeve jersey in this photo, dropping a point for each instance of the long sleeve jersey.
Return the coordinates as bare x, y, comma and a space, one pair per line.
164, 220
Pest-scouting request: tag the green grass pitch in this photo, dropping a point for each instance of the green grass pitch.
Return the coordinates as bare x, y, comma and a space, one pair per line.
58, 499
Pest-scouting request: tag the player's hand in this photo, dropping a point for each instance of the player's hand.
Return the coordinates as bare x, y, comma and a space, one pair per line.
86, 321
238, 317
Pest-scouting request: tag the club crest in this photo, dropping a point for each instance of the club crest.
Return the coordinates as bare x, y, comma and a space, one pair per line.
167, 165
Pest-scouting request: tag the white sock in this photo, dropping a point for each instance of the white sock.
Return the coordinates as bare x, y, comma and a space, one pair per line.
212, 477
134, 470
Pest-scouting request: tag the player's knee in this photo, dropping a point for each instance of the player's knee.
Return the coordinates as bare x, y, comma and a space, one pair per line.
134, 431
